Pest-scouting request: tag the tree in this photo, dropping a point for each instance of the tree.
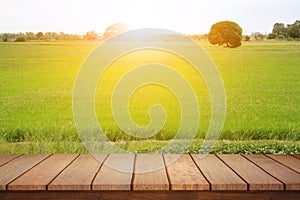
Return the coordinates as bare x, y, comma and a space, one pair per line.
75, 37
49, 36
198, 37
279, 30
294, 30
278, 27
91, 35
30, 36
247, 38
40, 35
258, 36
271, 36
20, 37
225, 32
115, 29
4, 37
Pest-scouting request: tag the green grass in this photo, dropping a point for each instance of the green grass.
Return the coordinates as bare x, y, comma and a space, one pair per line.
261, 81
222, 147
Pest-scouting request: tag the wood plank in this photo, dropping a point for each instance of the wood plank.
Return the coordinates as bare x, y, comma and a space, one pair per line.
150, 173
151, 195
218, 174
116, 173
17, 167
79, 175
184, 174
42, 174
289, 161
296, 156
5, 158
253, 175
290, 178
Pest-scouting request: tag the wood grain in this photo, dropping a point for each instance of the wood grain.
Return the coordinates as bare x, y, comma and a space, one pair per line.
218, 174
116, 173
184, 174
5, 158
290, 178
17, 167
79, 175
296, 156
150, 173
42, 174
137, 173
253, 175
289, 161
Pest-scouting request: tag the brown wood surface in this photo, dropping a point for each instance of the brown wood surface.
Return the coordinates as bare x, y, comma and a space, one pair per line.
184, 174
116, 173
289, 177
289, 161
218, 174
151, 195
17, 167
5, 158
253, 175
41, 175
150, 173
79, 175
296, 156
222, 173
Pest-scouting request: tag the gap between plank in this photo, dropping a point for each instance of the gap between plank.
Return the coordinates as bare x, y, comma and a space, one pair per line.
248, 185
282, 163
62, 171
99, 170
284, 186
11, 160
133, 173
167, 173
6, 187
209, 183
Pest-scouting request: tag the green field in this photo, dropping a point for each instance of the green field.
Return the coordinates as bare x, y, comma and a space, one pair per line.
261, 80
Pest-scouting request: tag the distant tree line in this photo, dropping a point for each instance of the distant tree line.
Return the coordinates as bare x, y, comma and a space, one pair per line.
89, 36
198, 36
110, 31
47, 36
280, 31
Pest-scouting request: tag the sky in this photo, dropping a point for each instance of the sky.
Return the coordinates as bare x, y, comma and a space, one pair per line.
183, 16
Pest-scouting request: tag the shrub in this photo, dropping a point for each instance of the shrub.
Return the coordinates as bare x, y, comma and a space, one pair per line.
271, 36
281, 37
247, 38
20, 39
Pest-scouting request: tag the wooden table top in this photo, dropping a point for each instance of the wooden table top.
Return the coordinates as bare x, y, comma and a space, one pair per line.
64, 172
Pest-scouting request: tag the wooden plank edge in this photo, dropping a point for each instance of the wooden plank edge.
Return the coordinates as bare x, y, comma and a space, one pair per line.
195, 163
5, 187
149, 195
281, 163
284, 185
17, 156
248, 185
